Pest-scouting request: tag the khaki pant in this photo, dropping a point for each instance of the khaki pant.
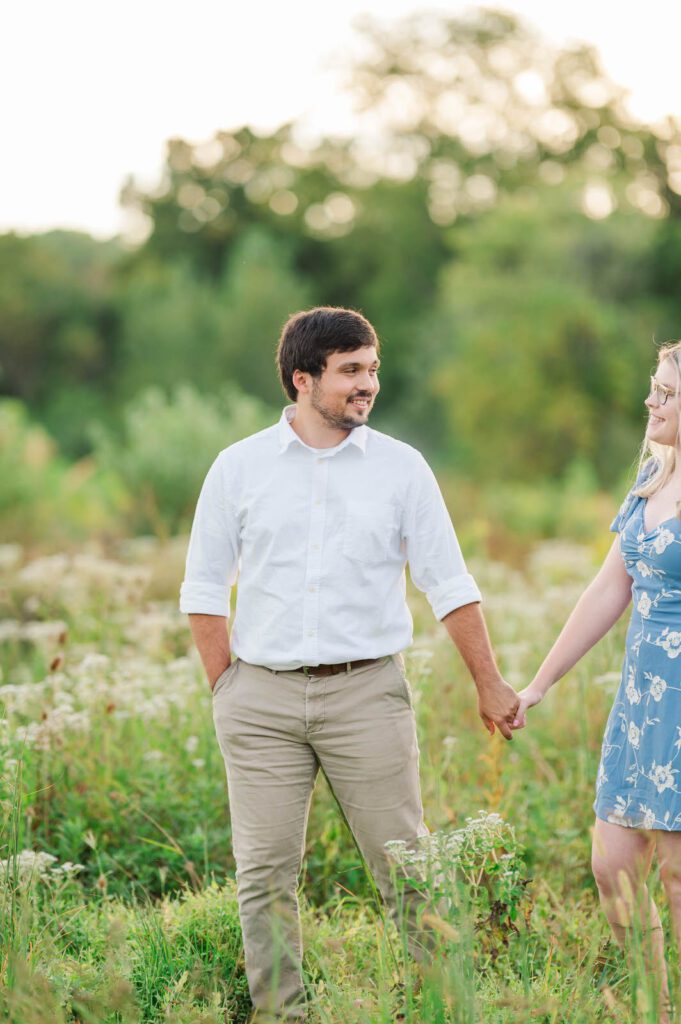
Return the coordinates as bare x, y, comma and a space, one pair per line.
275, 730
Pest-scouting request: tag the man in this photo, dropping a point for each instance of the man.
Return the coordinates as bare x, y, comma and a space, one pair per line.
318, 515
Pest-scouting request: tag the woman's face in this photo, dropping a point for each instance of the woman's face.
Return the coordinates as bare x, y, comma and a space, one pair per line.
663, 420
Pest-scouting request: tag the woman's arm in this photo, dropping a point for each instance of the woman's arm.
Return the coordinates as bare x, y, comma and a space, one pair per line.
597, 610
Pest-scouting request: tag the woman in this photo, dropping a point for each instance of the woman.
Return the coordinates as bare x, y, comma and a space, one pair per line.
638, 792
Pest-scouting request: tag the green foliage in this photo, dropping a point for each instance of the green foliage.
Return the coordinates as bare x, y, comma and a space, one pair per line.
42, 497
190, 951
55, 291
511, 231
475, 875
108, 759
539, 363
28, 467
167, 446
259, 292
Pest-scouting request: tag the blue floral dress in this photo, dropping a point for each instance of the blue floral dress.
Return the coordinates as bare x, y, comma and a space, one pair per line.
639, 778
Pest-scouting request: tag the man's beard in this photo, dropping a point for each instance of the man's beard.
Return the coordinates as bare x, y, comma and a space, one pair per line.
336, 420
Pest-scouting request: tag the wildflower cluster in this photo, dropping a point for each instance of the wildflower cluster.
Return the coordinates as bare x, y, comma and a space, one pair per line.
477, 870
30, 866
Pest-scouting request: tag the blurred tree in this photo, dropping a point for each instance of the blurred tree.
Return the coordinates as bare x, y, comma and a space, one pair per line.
481, 104
57, 325
169, 329
167, 446
543, 352
176, 326
259, 291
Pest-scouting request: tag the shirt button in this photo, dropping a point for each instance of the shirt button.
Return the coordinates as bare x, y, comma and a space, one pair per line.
312, 589
315, 547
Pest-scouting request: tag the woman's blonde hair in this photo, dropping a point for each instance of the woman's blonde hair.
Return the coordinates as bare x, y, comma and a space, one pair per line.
665, 455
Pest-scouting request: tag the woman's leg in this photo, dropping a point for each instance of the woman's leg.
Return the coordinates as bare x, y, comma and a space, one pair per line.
669, 856
621, 861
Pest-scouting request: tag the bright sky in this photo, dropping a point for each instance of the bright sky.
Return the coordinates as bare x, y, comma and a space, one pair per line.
92, 90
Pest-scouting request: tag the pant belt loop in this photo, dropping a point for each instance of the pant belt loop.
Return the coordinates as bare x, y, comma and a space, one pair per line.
348, 666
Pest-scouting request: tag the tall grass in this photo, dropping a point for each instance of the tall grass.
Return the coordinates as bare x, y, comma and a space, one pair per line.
109, 765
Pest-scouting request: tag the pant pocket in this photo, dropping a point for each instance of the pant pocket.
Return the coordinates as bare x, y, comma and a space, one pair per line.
405, 688
225, 676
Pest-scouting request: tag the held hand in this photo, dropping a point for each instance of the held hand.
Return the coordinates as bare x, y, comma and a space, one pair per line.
498, 706
528, 698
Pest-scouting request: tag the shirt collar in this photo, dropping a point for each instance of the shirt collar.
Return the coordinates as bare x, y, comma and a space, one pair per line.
357, 436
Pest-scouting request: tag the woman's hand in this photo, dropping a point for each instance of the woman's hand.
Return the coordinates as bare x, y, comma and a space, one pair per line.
528, 698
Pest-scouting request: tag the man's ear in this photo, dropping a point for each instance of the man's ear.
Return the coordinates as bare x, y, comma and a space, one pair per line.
301, 381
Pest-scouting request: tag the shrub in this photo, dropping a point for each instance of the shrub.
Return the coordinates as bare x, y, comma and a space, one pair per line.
167, 446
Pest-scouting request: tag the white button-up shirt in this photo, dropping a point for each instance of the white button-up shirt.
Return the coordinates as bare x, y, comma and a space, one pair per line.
319, 540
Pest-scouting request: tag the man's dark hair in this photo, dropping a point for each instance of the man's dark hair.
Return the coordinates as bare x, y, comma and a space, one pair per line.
310, 336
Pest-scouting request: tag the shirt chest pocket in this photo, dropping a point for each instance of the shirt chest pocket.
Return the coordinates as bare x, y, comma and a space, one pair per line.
368, 530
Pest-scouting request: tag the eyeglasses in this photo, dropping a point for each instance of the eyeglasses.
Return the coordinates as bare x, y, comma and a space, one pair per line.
660, 391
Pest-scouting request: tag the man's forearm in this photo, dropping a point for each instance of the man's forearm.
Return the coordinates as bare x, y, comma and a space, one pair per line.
467, 628
211, 637
497, 701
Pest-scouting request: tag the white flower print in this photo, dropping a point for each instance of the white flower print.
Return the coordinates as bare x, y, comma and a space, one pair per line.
602, 777
657, 688
643, 568
633, 693
648, 816
662, 775
634, 735
644, 605
618, 812
671, 642
663, 540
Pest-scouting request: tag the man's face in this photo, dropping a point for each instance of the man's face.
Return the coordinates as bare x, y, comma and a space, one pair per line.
345, 392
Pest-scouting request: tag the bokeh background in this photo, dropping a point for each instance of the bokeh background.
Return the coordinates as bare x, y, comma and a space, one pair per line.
478, 186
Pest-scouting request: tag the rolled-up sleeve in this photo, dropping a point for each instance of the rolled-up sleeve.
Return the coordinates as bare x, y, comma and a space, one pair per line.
213, 554
436, 564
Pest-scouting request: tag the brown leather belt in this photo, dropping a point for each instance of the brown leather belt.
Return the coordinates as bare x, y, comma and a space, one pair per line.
334, 670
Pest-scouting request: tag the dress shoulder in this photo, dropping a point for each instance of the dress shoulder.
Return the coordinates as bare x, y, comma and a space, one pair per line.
629, 503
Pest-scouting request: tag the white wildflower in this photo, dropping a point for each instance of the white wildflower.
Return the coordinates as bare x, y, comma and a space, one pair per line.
10, 556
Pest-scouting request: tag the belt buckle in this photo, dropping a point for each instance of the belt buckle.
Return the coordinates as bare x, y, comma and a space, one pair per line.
306, 671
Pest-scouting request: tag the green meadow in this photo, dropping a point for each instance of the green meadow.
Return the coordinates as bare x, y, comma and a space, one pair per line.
117, 877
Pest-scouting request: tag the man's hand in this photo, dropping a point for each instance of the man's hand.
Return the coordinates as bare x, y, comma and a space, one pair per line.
212, 642
213, 682
498, 705
529, 697
497, 701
